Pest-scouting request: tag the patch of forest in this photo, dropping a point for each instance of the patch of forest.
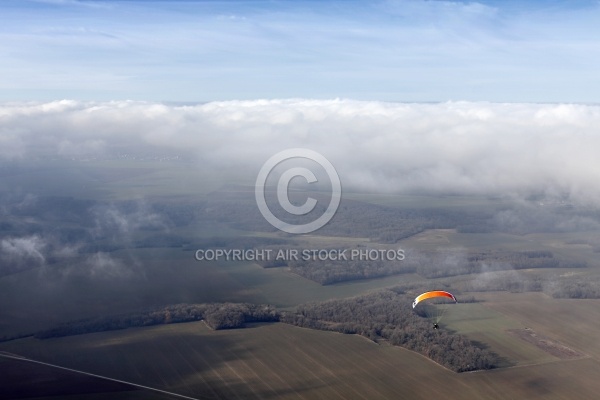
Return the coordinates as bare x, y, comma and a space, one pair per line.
379, 223
453, 262
330, 272
216, 315
388, 315
354, 265
575, 288
429, 264
557, 286
388, 224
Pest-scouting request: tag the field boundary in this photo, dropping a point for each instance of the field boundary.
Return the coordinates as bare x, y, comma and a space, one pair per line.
24, 359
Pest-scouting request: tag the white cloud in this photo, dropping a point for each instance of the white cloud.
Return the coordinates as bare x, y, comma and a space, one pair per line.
120, 223
29, 248
454, 147
102, 265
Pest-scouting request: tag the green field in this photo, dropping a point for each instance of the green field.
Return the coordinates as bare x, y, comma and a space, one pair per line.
573, 322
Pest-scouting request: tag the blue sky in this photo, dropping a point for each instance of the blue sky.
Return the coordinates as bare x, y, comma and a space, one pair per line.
195, 51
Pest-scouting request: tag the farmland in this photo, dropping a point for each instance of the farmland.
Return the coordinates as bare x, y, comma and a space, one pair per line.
281, 361
54, 383
278, 360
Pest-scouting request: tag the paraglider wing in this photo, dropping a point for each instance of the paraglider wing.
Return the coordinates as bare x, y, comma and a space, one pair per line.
429, 295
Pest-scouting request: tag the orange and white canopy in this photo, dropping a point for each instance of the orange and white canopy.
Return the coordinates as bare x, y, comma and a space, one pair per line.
432, 294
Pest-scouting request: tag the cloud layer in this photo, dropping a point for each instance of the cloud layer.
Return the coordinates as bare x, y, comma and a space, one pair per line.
514, 150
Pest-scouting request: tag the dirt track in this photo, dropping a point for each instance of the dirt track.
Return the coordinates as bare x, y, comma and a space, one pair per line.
546, 344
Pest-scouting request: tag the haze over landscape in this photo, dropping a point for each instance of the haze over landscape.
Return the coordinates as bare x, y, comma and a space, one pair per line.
133, 136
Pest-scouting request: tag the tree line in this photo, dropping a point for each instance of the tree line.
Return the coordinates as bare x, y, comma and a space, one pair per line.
555, 285
385, 315
429, 264
216, 315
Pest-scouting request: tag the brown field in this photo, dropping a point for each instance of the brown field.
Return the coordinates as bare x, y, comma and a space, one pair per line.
43, 382
281, 361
